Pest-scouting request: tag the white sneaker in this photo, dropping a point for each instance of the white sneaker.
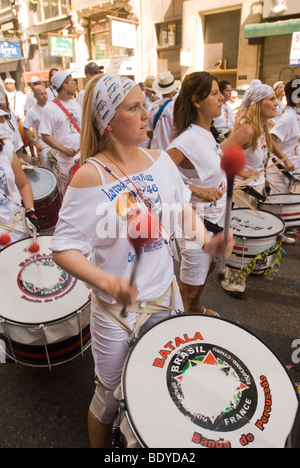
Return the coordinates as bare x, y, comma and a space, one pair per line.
288, 240
232, 286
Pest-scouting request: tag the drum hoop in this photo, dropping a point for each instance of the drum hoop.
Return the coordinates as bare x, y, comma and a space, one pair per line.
55, 189
49, 322
277, 234
205, 317
280, 203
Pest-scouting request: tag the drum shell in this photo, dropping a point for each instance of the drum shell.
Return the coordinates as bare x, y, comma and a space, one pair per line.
247, 247
285, 206
47, 201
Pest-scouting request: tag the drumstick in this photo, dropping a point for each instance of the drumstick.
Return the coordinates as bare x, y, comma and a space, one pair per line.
143, 229
233, 161
272, 185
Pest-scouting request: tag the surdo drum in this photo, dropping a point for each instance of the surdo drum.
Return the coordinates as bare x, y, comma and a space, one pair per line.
45, 312
199, 381
46, 197
253, 235
286, 206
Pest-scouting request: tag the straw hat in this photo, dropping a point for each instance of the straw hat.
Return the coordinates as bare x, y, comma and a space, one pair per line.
165, 83
149, 80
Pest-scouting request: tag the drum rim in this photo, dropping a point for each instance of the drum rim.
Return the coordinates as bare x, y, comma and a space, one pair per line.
206, 317
55, 187
240, 236
265, 203
51, 322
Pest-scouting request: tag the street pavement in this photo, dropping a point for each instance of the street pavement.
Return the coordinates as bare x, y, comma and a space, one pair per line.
43, 409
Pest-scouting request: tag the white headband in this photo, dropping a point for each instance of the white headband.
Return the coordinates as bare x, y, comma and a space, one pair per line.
110, 91
257, 92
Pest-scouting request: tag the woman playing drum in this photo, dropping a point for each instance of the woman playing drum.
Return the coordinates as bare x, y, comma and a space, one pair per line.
99, 202
195, 152
251, 132
286, 133
14, 187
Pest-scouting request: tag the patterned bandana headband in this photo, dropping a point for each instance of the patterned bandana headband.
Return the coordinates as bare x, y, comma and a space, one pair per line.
256, 93
110, 91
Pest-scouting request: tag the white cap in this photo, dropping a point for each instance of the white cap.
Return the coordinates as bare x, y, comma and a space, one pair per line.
59, 77
35, 79
9, 80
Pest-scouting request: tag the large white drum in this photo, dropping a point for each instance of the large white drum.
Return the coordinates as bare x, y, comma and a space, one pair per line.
45, 312
253, 234
199, 381
286, 206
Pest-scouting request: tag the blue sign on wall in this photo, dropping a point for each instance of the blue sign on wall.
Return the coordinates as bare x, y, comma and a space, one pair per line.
10, 50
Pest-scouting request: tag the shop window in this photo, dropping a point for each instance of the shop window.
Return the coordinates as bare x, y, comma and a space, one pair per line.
169, 34
103, 49
47, 9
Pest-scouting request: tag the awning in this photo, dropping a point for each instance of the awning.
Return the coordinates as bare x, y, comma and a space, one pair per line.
271, 29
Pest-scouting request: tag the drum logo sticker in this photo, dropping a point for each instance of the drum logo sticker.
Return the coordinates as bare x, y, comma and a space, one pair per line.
212, 387
41, 280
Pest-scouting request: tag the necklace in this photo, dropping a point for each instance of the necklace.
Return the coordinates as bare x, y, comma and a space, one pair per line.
140, 195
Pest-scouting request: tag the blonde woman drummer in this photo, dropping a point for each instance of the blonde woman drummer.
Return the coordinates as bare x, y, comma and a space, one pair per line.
251, 133
115, 120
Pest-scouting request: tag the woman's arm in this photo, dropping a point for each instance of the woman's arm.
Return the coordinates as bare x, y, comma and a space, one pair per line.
22, 183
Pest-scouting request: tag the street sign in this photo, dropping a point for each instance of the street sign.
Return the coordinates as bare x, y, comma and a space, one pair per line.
61, 46
295, 50
10, 50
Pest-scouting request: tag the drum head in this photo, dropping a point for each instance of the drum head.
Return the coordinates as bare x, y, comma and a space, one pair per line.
246, 223
33, 289
43, 182
199, 381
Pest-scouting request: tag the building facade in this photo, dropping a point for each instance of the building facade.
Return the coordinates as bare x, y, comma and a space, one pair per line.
237, 40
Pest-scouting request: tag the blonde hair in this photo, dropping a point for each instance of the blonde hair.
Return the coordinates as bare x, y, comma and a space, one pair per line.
251, 116
89, 138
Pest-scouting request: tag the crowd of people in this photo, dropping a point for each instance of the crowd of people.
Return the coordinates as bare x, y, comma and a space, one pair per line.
142, 148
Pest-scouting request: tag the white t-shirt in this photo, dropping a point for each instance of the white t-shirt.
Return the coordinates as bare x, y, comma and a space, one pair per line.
30, 101
52, 93
256, 160
32, 121
199, 146
80, 97
93, 220
10, 130
162, 134
287, 129
8, 206
225, 122
54, 122
16, 100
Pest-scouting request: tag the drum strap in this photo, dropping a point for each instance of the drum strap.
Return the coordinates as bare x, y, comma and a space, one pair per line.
20, 215
144, 309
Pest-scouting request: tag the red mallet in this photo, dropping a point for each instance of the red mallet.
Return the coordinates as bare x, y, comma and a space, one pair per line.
5, 239
143, 229
34, 247
233, 161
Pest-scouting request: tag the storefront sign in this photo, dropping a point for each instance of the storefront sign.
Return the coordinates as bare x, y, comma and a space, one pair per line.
61, 46
295, 50
123, 34
10, 50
